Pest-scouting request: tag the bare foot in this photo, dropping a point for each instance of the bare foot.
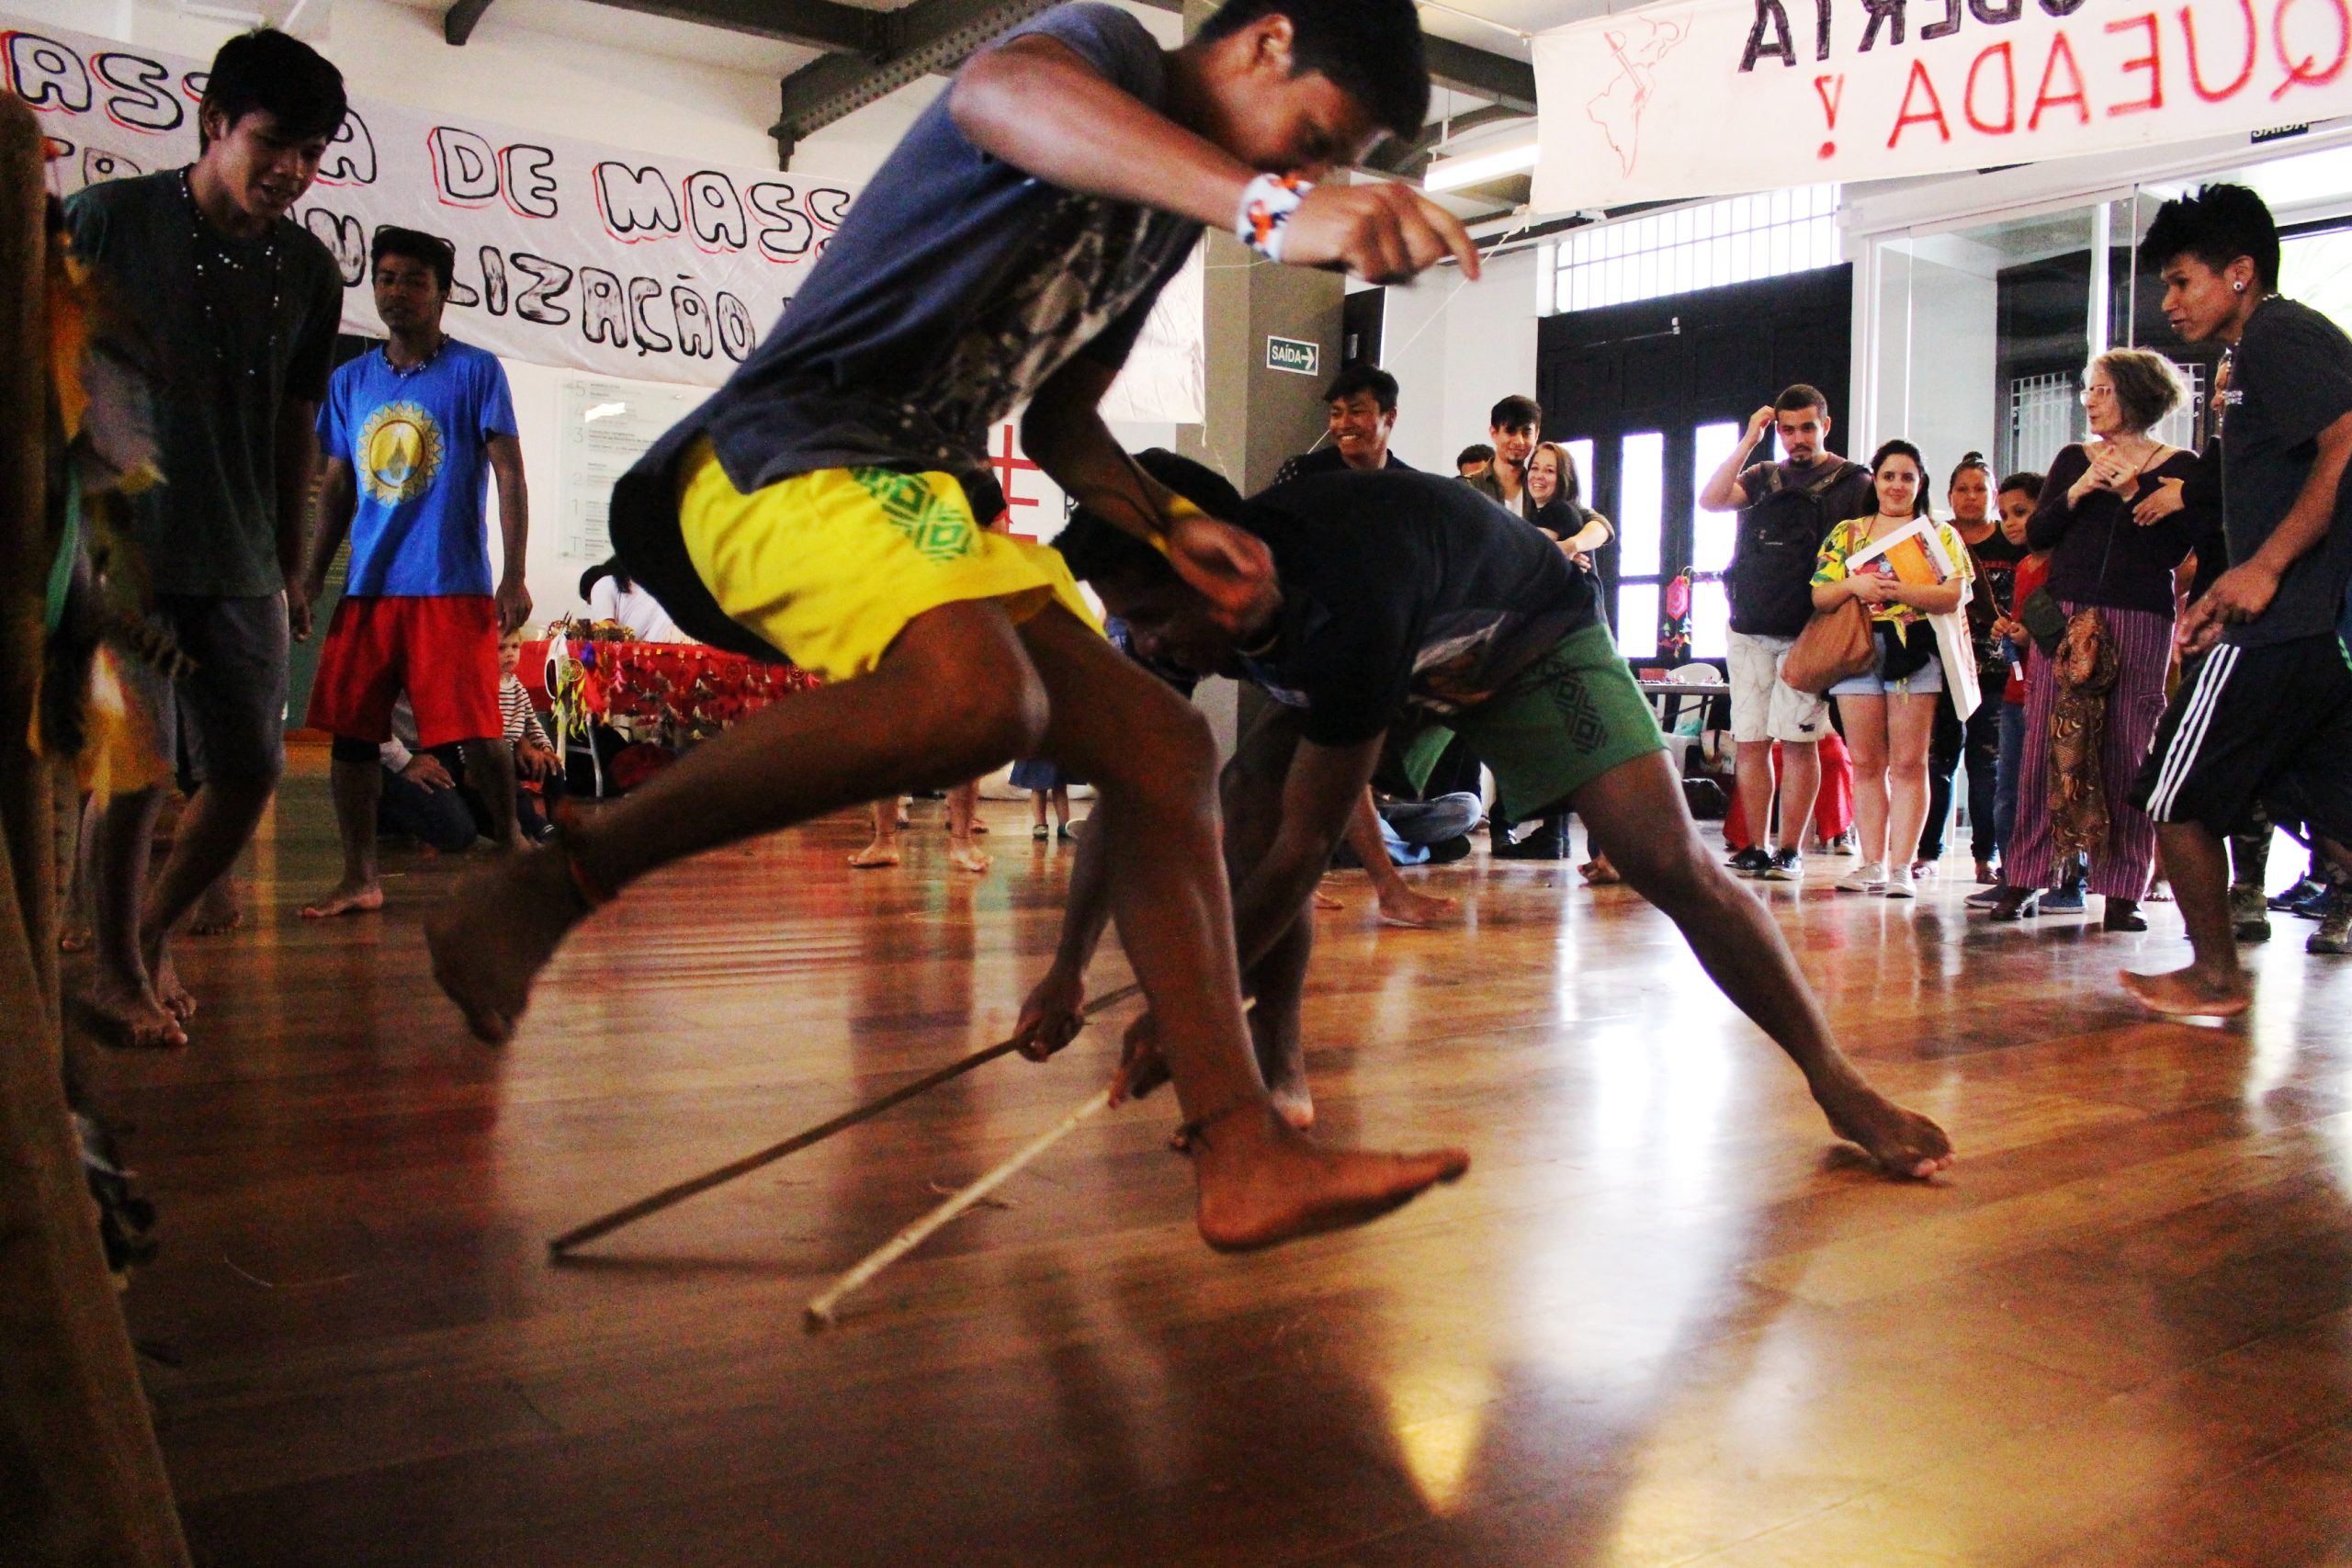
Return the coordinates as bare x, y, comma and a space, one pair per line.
873, 856
964, 857
494, 933
2185, 994
1261, 1183
164, 976
346, 898
127, 1018
1598, 873
73, 936
1406, 908
1903, 1143
220, 911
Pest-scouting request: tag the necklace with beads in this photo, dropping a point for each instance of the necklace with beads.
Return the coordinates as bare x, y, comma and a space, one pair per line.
217, 269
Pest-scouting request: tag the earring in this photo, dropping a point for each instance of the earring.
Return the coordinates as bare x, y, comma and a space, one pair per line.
2239, 286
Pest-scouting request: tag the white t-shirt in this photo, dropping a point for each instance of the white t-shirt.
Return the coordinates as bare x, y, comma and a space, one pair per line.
634, 608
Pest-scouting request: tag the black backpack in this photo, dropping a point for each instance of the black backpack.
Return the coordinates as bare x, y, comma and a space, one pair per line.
1770, 581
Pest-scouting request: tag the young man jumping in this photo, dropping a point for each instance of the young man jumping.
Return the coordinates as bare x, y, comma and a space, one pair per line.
827, 503
1409, 594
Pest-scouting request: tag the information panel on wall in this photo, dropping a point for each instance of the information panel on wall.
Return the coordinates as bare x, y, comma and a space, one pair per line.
1715, 98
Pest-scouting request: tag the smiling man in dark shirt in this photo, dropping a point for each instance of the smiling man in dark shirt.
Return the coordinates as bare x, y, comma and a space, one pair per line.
1361, 405
2268, 718
1409, 597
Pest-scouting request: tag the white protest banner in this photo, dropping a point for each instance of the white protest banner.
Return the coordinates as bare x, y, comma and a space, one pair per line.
1719, 97
568, 254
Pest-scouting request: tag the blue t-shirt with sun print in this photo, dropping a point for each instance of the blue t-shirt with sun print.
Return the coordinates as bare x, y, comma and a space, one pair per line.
418, 445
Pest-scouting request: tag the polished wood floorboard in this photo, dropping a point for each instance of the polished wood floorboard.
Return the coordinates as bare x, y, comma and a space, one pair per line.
1664, 1320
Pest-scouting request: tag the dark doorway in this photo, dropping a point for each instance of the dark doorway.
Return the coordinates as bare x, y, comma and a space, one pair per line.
1642, 393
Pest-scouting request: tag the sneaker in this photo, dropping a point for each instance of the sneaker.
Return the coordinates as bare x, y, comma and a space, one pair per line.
1846, 844
1783, 865
2250, 913
2068, 900
1923, 869
2311, 905
1901, 884
1988, 898
2335, 933
1750, 861
1038, 831
1868, 877
2289, 901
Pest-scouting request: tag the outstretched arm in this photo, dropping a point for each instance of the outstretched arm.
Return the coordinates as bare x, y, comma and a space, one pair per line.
1064, 431
1051, 1018
1036, 104
1323, 787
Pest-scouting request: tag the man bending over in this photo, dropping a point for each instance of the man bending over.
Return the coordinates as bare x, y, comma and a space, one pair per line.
1402, 592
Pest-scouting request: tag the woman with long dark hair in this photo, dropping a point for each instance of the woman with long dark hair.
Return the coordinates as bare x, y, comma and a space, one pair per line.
1903, 565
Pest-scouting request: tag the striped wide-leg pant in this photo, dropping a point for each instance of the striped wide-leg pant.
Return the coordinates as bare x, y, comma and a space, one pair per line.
2121, 869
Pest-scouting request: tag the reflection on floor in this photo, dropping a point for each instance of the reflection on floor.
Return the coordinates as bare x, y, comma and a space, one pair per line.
1663, 1321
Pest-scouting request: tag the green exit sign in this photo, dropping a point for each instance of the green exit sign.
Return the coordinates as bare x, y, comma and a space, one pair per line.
1289, 354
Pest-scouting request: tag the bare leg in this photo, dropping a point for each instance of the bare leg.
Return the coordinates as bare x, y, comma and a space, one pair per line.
1061, 809
2213, 986
1866, 737
1752, 778
1910, 725
1800, 785
1635, 810
76, 915
358, 787
963, 808
490, 771
122, 1003
1250, 791
213, 831
882, 850
1150, 754
221, 909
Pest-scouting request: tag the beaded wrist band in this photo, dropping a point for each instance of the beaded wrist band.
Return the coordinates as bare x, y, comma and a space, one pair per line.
1267, 203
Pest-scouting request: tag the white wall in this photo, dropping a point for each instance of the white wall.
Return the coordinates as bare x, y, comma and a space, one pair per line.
1456, 349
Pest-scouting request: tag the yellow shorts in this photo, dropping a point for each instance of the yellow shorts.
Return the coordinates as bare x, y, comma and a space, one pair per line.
828, 567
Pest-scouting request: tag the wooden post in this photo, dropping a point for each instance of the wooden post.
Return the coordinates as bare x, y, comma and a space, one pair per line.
82, 1481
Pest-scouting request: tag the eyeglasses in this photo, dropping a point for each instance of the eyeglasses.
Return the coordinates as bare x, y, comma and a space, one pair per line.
2097, 389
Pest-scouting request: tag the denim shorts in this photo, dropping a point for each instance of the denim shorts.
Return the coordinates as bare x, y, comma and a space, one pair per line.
1925, 681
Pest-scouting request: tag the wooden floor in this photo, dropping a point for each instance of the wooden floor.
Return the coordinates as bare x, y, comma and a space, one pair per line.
1663, 1321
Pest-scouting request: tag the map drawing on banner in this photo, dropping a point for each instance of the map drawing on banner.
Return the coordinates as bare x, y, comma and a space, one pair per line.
1714, 97
568, 254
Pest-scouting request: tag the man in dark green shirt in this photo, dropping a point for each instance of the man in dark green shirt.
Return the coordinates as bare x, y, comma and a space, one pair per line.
241, 304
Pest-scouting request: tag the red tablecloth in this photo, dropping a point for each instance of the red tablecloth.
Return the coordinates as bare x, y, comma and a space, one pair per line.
689, 688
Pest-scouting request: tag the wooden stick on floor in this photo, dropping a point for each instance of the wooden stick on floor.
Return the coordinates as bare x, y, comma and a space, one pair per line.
669, 1197
820, 1314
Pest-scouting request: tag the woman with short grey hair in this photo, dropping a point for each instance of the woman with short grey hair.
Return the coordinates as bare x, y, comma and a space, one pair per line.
2089, 720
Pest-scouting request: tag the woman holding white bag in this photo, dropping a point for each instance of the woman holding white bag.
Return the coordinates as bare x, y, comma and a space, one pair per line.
1911, 573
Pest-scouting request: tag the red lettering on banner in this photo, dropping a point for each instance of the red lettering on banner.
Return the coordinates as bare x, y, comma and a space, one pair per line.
2197, 78
1829, 102
2151, 63
1934, 113
2302, 75
2060, 50
2008, 87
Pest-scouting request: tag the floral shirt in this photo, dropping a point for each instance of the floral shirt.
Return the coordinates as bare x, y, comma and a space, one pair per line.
1909, 561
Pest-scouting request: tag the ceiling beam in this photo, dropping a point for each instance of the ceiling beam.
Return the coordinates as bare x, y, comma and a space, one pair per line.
1498, 78
458, 21
812, 24
927, 37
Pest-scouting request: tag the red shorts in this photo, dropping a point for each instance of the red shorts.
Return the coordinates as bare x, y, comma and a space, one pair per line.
442, 650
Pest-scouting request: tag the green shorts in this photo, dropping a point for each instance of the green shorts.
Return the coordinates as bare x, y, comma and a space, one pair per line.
1556, 727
